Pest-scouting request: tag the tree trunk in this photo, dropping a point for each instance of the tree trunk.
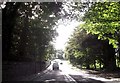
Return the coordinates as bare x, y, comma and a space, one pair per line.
88, 66
109, 58
94, 64
8, 22
100, 65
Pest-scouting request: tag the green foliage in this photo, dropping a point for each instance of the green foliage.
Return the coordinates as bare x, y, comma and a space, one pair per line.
96, 39
28, 29
50, 52
103, 19
87, 50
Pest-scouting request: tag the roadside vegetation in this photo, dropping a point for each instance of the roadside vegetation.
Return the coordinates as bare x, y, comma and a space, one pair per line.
95, 43
27, 32
29, 28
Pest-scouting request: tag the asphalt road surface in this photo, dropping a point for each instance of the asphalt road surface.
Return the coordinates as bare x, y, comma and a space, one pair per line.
68, 73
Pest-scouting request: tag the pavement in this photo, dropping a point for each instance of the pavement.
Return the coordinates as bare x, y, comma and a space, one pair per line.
67, 73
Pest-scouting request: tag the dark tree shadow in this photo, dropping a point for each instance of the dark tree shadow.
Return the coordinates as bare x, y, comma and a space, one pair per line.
106, 74
81, 79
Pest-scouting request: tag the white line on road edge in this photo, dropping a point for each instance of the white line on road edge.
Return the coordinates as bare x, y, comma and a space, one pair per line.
69, 78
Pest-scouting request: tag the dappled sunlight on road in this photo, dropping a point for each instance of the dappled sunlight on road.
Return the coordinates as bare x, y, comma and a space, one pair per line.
68, 73
67, 69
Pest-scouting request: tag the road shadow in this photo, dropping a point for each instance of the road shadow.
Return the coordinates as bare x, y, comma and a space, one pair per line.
81, 79
106, 74
77, 78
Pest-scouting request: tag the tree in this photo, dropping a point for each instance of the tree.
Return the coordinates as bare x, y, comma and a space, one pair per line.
103, 19
28, 29
51, 52
59, 53
9, 13
86, 49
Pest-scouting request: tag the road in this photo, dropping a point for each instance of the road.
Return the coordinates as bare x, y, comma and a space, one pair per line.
68, 73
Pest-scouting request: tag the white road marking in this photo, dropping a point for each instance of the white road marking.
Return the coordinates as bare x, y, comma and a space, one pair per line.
69, 79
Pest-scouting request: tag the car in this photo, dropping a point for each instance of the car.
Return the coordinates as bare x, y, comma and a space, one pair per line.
55, 66
61, 63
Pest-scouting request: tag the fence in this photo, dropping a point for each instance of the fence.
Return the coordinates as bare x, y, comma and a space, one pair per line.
14, 70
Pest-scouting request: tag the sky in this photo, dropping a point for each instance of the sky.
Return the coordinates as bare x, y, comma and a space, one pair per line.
64, 32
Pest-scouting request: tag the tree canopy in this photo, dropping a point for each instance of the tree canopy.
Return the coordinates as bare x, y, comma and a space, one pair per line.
103, 19
28, 29
94, 41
